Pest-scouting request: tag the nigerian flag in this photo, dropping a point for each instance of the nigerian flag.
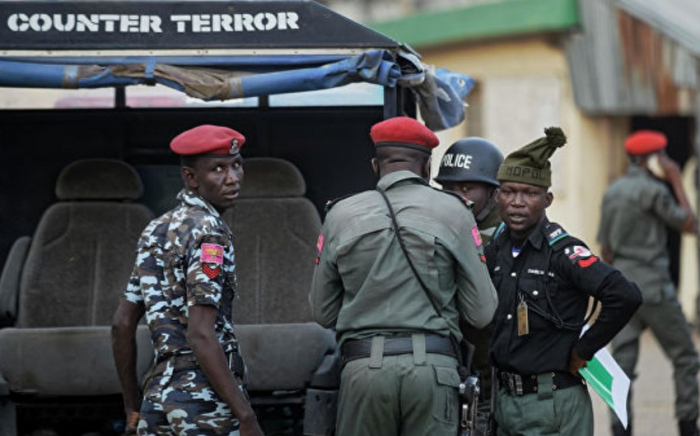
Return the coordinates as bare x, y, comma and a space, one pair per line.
606, 377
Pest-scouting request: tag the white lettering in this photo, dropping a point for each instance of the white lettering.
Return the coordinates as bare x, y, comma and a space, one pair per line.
201, 23
13, 24
91, 23
181, 22
129, 24
292, 18
109, 20
151, 23
220, 22
260, 21
447, 160
40, 22
243, 21
60, 25
467, 161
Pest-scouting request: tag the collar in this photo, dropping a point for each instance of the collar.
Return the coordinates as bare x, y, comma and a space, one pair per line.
489, 214
397, 177
637, 171
536, 238
192, 199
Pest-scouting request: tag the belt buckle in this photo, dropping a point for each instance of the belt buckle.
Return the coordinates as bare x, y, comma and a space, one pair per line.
511, 383
518, 385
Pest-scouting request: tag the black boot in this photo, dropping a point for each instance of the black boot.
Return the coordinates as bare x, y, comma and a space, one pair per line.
688, 428
618, 430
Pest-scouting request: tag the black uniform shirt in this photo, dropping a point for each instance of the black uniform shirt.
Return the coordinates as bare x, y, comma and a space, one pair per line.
552, 262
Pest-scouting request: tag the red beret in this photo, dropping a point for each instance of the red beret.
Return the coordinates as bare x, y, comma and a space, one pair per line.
645, 142
403, 132
207, 139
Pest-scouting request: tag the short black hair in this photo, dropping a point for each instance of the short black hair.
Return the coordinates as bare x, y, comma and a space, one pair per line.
390, 154
189, 160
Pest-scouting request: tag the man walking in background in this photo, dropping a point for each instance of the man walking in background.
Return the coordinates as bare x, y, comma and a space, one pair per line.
636, 210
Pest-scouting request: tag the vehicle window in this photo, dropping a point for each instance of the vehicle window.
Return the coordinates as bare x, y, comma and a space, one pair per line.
34, 98
157, 96
355, 94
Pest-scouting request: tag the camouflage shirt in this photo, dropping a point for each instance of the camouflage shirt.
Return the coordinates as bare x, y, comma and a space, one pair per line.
185, 257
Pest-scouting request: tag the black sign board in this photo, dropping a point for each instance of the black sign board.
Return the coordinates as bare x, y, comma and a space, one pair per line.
112, 25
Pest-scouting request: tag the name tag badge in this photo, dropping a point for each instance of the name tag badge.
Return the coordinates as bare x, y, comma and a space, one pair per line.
523, 325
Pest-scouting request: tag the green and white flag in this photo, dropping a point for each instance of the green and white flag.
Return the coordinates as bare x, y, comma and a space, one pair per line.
606, 377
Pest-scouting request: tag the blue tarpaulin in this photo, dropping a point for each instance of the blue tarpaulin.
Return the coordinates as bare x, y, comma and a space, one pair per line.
440, 93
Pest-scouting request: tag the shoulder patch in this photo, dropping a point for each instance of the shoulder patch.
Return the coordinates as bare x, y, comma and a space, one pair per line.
461, 199
554, 233
330, 203
581, 255
212, 253
319, 247
476, 236
212, 257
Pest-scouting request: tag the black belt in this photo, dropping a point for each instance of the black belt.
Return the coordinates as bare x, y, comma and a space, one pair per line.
517, 384
395, 345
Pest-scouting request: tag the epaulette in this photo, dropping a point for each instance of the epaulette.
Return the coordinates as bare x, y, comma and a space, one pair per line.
555, 234
330, 203
461, 199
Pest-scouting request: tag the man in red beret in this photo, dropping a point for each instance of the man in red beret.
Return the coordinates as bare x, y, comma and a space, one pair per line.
184, 282
636, 210
397, 268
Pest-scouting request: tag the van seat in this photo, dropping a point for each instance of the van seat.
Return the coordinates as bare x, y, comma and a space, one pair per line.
275, 230
77, 266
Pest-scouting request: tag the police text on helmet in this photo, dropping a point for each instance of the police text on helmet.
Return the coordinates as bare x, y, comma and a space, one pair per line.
457, 160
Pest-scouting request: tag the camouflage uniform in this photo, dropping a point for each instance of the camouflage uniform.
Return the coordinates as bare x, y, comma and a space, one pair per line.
184, 258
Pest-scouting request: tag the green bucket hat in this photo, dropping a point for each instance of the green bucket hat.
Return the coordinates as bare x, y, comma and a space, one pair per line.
530, 164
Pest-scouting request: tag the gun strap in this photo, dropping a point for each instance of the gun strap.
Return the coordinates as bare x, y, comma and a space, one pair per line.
397, 232
464, 370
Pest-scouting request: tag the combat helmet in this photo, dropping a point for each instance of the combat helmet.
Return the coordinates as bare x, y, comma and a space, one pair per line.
470, 159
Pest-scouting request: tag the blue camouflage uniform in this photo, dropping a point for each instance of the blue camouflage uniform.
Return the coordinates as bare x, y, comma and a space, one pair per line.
184, 258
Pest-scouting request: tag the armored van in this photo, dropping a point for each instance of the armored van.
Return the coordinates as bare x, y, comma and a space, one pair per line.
85, 173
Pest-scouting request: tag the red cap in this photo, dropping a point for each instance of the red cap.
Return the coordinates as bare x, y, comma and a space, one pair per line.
645, 142
207, 139
403, 132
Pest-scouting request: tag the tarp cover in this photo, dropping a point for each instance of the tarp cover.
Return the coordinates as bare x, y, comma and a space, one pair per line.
440, 93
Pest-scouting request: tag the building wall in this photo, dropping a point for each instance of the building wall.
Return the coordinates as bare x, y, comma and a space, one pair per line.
522, 87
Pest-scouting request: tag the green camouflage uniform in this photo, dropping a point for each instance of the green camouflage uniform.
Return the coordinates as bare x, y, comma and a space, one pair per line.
635, 212
176, 269
364, 288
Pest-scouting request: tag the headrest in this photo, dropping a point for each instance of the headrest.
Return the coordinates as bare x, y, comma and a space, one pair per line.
99, 179
270, 177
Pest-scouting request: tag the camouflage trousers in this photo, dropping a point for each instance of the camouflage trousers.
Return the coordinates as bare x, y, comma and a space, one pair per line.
183, 403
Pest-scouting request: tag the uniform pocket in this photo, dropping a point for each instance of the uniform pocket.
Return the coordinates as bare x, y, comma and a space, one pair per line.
445, 400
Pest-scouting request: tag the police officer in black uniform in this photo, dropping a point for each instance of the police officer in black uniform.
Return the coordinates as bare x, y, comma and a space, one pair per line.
544, 279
